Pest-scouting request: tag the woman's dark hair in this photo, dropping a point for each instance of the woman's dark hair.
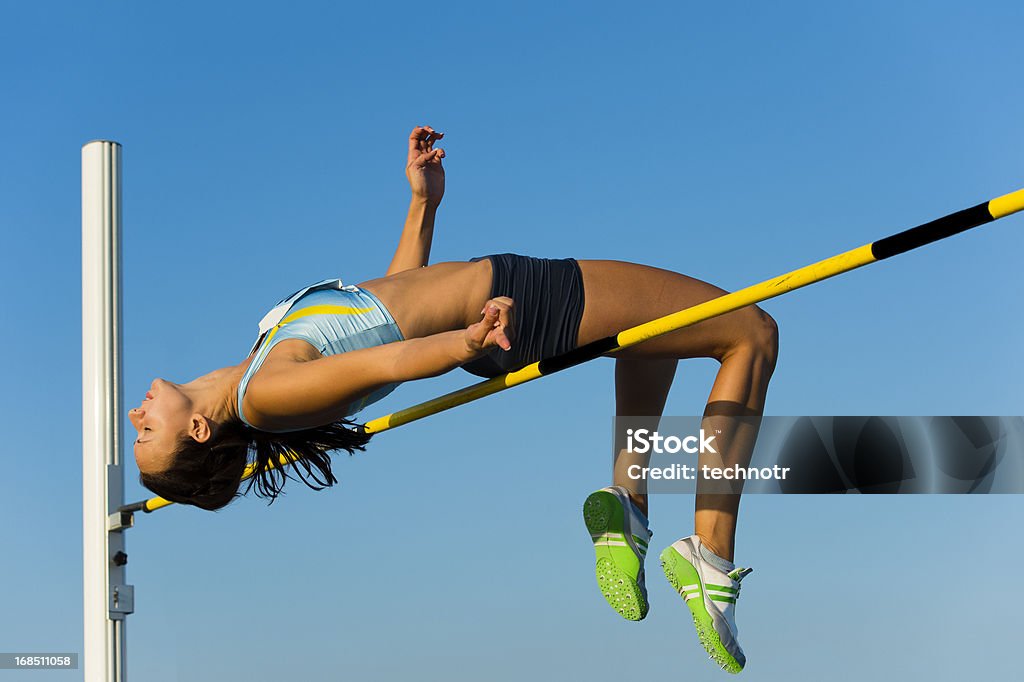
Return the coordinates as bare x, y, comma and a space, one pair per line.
208, 475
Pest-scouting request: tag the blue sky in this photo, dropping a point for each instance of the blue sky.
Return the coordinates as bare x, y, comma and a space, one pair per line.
264, 149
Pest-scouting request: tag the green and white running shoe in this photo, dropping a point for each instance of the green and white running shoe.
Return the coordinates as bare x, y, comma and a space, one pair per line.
620, 535
711, 595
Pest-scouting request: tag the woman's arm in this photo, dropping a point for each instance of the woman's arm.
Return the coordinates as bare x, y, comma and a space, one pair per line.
426, 178
306, 394
414, 246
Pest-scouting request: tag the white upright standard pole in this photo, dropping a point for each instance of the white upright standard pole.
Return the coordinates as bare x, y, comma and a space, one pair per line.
107, 598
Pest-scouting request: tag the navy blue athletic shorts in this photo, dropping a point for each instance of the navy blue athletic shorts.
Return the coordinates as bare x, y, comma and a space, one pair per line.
548, 298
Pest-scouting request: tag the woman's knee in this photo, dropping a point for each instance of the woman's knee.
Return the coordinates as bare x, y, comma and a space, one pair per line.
765, 335
760, 335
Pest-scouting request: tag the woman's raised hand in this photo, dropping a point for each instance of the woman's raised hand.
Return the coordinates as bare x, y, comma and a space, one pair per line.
495, 329
423, 168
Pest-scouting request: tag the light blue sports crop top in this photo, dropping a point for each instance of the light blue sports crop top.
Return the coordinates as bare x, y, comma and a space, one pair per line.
334, 320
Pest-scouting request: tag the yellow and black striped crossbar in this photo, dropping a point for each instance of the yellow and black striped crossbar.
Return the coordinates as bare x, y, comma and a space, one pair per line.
947, 226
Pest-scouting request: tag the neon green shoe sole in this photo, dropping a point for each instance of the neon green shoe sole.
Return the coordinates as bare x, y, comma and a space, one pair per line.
686, 581
619, 569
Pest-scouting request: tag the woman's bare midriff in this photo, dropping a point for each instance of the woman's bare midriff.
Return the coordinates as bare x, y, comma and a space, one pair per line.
434, 299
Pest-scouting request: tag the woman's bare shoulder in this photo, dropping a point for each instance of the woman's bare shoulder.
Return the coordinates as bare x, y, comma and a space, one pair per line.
284, 356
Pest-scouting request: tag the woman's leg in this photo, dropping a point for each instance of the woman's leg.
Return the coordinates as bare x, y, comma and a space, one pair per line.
620, 295
641, 388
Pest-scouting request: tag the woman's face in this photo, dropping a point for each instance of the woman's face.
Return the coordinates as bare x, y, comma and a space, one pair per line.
161, 420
